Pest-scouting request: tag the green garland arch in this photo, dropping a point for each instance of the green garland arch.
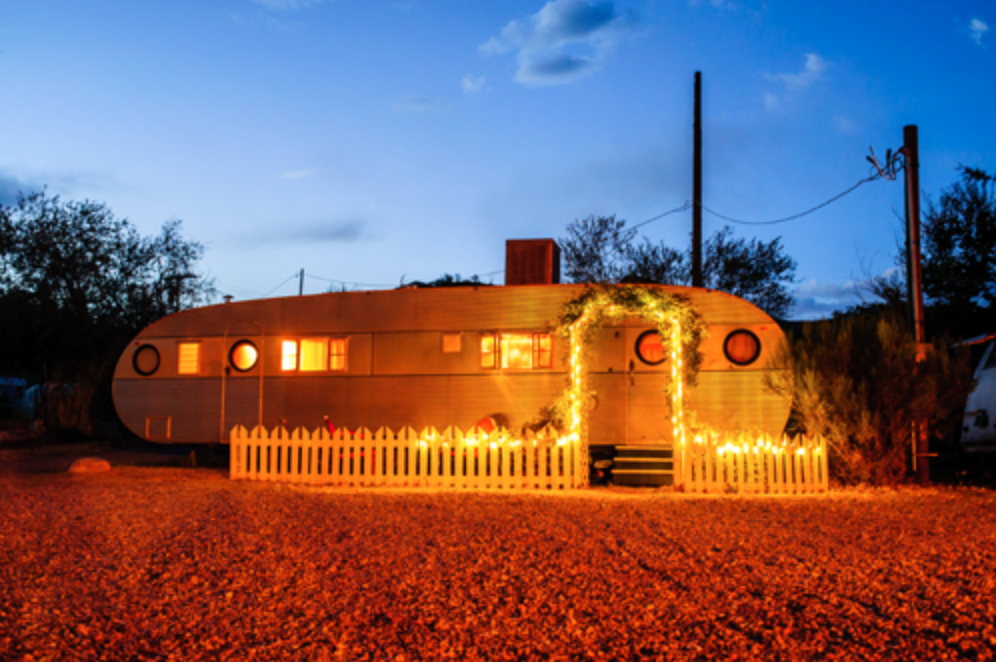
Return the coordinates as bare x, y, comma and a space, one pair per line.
678, 322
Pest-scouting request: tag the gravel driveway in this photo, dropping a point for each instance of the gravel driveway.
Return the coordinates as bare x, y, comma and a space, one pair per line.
158, 563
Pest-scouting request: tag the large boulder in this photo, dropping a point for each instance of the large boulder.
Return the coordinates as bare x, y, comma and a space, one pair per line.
89, 465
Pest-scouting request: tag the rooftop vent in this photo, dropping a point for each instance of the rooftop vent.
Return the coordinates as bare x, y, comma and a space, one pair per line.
532, 262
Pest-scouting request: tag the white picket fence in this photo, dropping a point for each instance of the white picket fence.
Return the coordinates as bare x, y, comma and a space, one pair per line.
448, 459
716, 464
501, 461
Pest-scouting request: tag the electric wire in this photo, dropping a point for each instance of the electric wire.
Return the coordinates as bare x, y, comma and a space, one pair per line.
684, 207
793, 217
292, 277
345, 282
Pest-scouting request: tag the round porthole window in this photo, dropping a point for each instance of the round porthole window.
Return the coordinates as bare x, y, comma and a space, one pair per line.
243, 356
742, 347
145, 360
650, 349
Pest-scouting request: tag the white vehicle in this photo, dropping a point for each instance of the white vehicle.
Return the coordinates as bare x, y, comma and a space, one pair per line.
978, 431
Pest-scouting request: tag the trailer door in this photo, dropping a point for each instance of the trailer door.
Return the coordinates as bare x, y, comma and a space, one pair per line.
648, 409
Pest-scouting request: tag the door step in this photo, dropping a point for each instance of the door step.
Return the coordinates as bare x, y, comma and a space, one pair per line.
643, 466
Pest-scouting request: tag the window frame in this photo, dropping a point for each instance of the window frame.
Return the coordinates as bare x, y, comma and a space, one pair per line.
757, 347
329, 341
536, 353
180, 344
231, 355
143, 348
639, 354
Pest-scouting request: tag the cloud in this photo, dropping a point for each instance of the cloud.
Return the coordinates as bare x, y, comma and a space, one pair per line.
11, 185
288, 5
797, 83
564, 41
845, 124
412, 103
55, 183
319, 232
267, 21
815, 300
977, 28
473, 84
298, 174
717, 4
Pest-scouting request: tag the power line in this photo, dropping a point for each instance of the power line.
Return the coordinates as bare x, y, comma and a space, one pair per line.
345, 282
292, 277
794, 216
683, 207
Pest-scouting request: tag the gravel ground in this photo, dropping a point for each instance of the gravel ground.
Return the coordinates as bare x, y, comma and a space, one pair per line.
168, 563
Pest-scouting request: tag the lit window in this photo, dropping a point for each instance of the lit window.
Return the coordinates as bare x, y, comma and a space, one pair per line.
452, 343
542, 350
243, 356
189, 358
650, 349
337, 354
517, 351
742, 347
288, 355
314, 355
489, 351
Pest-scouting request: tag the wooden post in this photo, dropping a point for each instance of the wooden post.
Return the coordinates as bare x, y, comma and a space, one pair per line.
914, 285
697, 186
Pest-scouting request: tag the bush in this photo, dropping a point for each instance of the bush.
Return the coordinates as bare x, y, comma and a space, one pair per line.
854, 380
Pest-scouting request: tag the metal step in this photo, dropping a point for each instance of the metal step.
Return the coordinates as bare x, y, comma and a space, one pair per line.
642, 477
643, 466
644, 463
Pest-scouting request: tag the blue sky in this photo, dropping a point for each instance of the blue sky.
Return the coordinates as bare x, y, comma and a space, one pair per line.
371, 142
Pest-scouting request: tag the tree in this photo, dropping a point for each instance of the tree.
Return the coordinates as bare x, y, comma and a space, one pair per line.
959, 267
958, 242
80, 257
756, 271
597, 250
959, 254
76, 283
602, 250
657, 263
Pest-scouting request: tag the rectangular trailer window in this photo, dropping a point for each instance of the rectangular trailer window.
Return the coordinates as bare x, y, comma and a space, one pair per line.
517, 351
313, 355
188, 358
288, 355
542, 350
489, 351
337, 354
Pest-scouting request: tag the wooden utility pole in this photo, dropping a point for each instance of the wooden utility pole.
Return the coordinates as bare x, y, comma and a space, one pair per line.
914, 287
300, 285
697, 186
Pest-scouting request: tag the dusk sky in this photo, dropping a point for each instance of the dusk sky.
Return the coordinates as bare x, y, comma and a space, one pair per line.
369, 142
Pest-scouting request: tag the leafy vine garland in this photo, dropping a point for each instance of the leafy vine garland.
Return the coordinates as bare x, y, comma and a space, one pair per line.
681, 330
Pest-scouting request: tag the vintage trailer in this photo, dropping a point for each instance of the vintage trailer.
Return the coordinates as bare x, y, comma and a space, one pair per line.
432, 357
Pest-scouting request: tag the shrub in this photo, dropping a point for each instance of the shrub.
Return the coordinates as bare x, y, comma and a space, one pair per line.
854, 380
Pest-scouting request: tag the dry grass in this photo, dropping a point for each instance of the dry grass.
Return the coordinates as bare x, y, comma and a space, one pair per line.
155, 564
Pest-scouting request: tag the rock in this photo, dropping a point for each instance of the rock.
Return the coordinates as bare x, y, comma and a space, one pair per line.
89, 465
